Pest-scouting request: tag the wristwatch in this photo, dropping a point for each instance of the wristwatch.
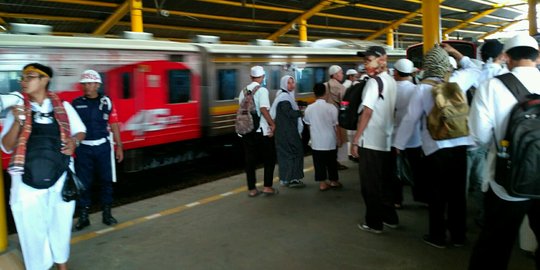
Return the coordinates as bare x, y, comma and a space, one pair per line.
77, 142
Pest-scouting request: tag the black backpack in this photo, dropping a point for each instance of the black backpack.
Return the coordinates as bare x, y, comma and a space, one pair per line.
348, 108
518, 170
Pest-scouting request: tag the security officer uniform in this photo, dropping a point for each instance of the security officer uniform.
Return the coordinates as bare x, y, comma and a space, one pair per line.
93, 156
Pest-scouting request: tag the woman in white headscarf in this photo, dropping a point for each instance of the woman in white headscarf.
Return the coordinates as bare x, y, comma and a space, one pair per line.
289, 126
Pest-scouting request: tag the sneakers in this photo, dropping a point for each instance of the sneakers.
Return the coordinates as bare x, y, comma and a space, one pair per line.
366, 228
295, 183
432, 242
283, 183
390, 225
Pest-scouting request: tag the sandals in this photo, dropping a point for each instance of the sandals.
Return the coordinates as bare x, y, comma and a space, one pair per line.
254, 193
336, 184
270, 193
325, 188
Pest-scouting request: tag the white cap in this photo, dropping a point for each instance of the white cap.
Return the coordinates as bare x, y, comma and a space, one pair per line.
404, 66
351, 72
453, 62
520, 40
89, 76
257, 71
333, 69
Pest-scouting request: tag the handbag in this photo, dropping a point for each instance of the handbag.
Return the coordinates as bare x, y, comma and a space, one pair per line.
73, 187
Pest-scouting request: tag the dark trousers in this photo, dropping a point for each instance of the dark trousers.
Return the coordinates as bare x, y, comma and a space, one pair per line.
411, 163
502, 221
447, 172
377, 186
325, 165
257, 147
94, 161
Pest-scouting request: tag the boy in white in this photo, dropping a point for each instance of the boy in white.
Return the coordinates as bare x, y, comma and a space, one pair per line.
323, 126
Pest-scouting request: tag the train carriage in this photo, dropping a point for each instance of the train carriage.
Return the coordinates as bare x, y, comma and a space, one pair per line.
171, 97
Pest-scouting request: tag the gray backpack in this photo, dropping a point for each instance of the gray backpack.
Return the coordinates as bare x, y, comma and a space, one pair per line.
247, 119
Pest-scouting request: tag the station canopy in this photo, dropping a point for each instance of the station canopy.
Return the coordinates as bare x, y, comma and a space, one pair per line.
241, 21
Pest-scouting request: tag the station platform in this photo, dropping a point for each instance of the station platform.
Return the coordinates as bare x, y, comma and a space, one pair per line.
217, 226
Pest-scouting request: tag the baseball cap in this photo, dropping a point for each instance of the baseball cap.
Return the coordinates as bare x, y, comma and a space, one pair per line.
520, 40
333, 69
90, 76
351, 72
376, 51
257, 71
404, 66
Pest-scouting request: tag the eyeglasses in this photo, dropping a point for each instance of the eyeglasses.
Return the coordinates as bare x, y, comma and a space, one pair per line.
27, 78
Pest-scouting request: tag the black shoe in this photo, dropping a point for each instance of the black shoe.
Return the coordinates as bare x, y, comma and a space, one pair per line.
108, 219
296, 184
83, 221
434, 243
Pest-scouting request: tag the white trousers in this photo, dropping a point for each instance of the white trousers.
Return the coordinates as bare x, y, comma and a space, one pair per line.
43, 222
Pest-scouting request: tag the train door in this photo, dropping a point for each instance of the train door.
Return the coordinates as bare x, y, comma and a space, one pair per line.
157, 102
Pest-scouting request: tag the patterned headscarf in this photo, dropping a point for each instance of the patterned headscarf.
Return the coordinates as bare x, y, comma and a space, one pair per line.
436, 63
16, 165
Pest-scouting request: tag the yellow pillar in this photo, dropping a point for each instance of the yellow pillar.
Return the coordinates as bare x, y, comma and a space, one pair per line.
431, 23
136, 15
3, 222
390, 38
533, 28
302, 30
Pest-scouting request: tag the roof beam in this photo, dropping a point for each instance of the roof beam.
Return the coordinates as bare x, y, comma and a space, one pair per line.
371, 7
120, 12
472, 19
393, 25
45, 17
306, 15
497, 30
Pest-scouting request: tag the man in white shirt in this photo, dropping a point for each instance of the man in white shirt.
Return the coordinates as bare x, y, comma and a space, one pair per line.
372, 142
260, 144
445, 160
489, 117
352, 78
403, 70
494, 58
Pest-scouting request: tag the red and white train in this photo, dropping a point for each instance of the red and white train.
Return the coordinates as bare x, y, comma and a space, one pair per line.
167, 92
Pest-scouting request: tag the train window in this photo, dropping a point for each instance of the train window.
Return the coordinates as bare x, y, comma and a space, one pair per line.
9, 82
101, 89
415, 53
179, 86
275, 79
306, 78
227, 84
126, 85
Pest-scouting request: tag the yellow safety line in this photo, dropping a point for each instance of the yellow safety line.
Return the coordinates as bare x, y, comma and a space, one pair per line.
90, 235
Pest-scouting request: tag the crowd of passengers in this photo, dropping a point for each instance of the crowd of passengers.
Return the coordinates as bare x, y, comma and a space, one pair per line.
391, 142
390, 139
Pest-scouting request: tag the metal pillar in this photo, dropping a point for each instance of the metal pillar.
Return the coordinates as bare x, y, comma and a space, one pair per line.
136, 15
390, 38
533, 28
3, 222
302, 29
431, 23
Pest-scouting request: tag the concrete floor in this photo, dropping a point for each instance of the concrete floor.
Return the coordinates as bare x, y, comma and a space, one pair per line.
216, 226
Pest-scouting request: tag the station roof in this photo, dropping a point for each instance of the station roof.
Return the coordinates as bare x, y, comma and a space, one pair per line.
239, 21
